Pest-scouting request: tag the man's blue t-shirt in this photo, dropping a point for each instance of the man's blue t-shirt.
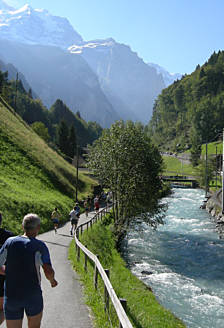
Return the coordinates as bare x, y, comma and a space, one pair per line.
24, 257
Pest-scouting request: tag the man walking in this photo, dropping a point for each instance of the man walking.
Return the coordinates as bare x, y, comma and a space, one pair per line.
55, 215
74, 217
24, 256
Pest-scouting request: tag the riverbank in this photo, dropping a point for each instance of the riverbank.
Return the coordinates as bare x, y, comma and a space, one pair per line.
143, 308
214, 208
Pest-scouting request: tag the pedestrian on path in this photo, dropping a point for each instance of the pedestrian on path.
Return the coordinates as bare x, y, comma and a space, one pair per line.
86, 207
96, 204
4, 235
89, 203
74, 217
55, 215
22, 291
77, 208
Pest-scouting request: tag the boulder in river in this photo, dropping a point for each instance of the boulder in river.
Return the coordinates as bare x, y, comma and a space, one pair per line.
146, 272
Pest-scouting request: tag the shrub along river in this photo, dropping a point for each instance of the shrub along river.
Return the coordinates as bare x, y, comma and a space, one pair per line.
182, 261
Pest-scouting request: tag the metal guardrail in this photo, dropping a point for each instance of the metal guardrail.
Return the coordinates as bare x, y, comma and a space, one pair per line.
109, 293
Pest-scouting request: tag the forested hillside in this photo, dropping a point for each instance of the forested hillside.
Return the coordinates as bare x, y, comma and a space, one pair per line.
32, 110
191, 111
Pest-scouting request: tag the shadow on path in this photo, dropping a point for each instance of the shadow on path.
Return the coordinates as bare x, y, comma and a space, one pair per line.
53, 243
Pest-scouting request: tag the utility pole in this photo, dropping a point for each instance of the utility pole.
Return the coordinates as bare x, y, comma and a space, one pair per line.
222, 173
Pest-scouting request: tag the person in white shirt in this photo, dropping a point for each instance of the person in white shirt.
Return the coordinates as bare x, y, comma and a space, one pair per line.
74, 218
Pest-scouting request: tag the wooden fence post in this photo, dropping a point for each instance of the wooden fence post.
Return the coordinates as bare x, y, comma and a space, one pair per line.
96, 275
124, 304
85, 262
106, 295
81, 229
91, 224
78, 253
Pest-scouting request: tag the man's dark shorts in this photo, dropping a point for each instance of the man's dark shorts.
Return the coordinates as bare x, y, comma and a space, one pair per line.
55, 221
74, 221
32, 305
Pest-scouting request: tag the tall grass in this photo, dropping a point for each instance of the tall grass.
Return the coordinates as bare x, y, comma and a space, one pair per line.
33, 177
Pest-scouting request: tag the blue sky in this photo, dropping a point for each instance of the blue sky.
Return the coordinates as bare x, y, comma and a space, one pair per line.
176, 34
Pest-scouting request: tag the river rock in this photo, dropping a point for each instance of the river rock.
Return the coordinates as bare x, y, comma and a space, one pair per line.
146, 272
213, 213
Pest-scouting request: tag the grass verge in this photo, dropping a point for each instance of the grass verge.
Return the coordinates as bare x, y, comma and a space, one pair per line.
143, 309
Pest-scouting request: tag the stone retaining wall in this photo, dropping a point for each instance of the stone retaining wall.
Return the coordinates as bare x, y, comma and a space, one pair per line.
214, 207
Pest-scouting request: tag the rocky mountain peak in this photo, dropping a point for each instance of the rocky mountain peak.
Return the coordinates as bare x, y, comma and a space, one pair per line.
5, 6
17, 24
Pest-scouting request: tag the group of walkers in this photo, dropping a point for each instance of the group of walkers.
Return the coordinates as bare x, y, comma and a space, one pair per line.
75, 213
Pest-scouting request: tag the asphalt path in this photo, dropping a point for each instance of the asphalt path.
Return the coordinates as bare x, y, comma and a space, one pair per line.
64, 305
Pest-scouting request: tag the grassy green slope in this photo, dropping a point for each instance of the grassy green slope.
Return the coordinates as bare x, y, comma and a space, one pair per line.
33, 177
174, 166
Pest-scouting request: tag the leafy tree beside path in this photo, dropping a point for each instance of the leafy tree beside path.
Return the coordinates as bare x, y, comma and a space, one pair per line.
125, 161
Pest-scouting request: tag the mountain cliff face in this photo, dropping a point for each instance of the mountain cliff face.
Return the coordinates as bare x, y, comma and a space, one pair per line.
129, 83
54, 73
168, 78
102, 79
12, 75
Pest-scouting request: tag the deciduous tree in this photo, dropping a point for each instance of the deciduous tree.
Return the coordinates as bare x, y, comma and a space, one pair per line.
125, 161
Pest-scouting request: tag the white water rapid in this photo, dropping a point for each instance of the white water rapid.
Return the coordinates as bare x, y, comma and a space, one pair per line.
183, 260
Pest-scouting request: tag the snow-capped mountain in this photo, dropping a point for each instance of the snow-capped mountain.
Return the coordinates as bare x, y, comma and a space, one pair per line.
36, 26
5, 6
168, 78
116, 74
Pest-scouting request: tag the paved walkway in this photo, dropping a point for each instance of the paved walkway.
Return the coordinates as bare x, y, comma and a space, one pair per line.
63, 305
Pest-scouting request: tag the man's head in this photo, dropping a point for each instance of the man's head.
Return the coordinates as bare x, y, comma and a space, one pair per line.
31, 222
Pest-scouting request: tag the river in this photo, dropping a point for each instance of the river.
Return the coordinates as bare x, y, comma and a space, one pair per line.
184, 260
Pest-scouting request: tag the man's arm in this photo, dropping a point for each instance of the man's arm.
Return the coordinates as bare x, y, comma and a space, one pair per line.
2, 270
49, 274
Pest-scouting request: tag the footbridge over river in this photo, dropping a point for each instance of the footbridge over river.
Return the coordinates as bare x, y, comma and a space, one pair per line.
181, 180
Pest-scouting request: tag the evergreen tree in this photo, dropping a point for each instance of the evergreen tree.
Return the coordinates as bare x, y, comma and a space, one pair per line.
72, 142
202, 73
30, 93
78, 114
62, 137
195, 148
3, 80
